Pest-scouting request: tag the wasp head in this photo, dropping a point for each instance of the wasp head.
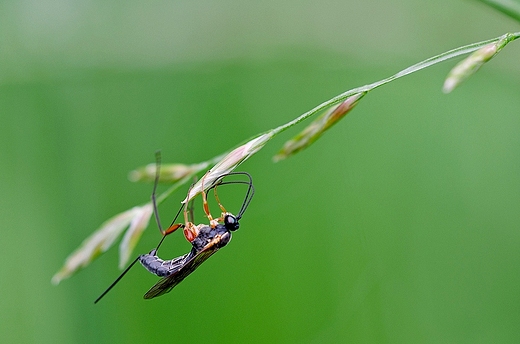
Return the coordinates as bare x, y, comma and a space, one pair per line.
231, 222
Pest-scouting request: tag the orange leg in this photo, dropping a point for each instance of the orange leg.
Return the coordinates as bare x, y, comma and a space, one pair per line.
212, 222
172, 229
224, 211
218, 201
190, 230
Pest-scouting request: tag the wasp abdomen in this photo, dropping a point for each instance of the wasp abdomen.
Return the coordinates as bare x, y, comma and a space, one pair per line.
162, 268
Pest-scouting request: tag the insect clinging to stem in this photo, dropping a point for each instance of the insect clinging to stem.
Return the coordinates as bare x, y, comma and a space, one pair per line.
205, 239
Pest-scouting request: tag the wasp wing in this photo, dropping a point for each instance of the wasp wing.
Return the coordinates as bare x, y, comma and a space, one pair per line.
168, 283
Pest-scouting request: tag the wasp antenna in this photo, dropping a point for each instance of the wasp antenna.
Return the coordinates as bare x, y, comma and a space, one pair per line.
117, 280
250, 190
249, 195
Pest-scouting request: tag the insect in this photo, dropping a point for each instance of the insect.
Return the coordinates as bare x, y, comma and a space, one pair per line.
205, 239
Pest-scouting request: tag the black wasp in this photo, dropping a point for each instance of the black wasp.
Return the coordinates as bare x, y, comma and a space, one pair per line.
205, 239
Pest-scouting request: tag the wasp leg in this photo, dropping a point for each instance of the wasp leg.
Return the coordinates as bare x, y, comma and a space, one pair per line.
213, 223
218, 201
190, 231
224, 212
172, 229
191, 216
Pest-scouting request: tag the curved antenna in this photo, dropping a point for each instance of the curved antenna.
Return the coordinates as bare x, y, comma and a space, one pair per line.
250, 190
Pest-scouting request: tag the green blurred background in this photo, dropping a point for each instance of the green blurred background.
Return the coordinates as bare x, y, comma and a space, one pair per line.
400, 225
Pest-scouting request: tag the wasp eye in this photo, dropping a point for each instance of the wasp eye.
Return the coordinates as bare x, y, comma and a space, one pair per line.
231, 222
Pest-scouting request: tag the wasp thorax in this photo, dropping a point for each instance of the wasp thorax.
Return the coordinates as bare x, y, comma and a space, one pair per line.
231, 222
